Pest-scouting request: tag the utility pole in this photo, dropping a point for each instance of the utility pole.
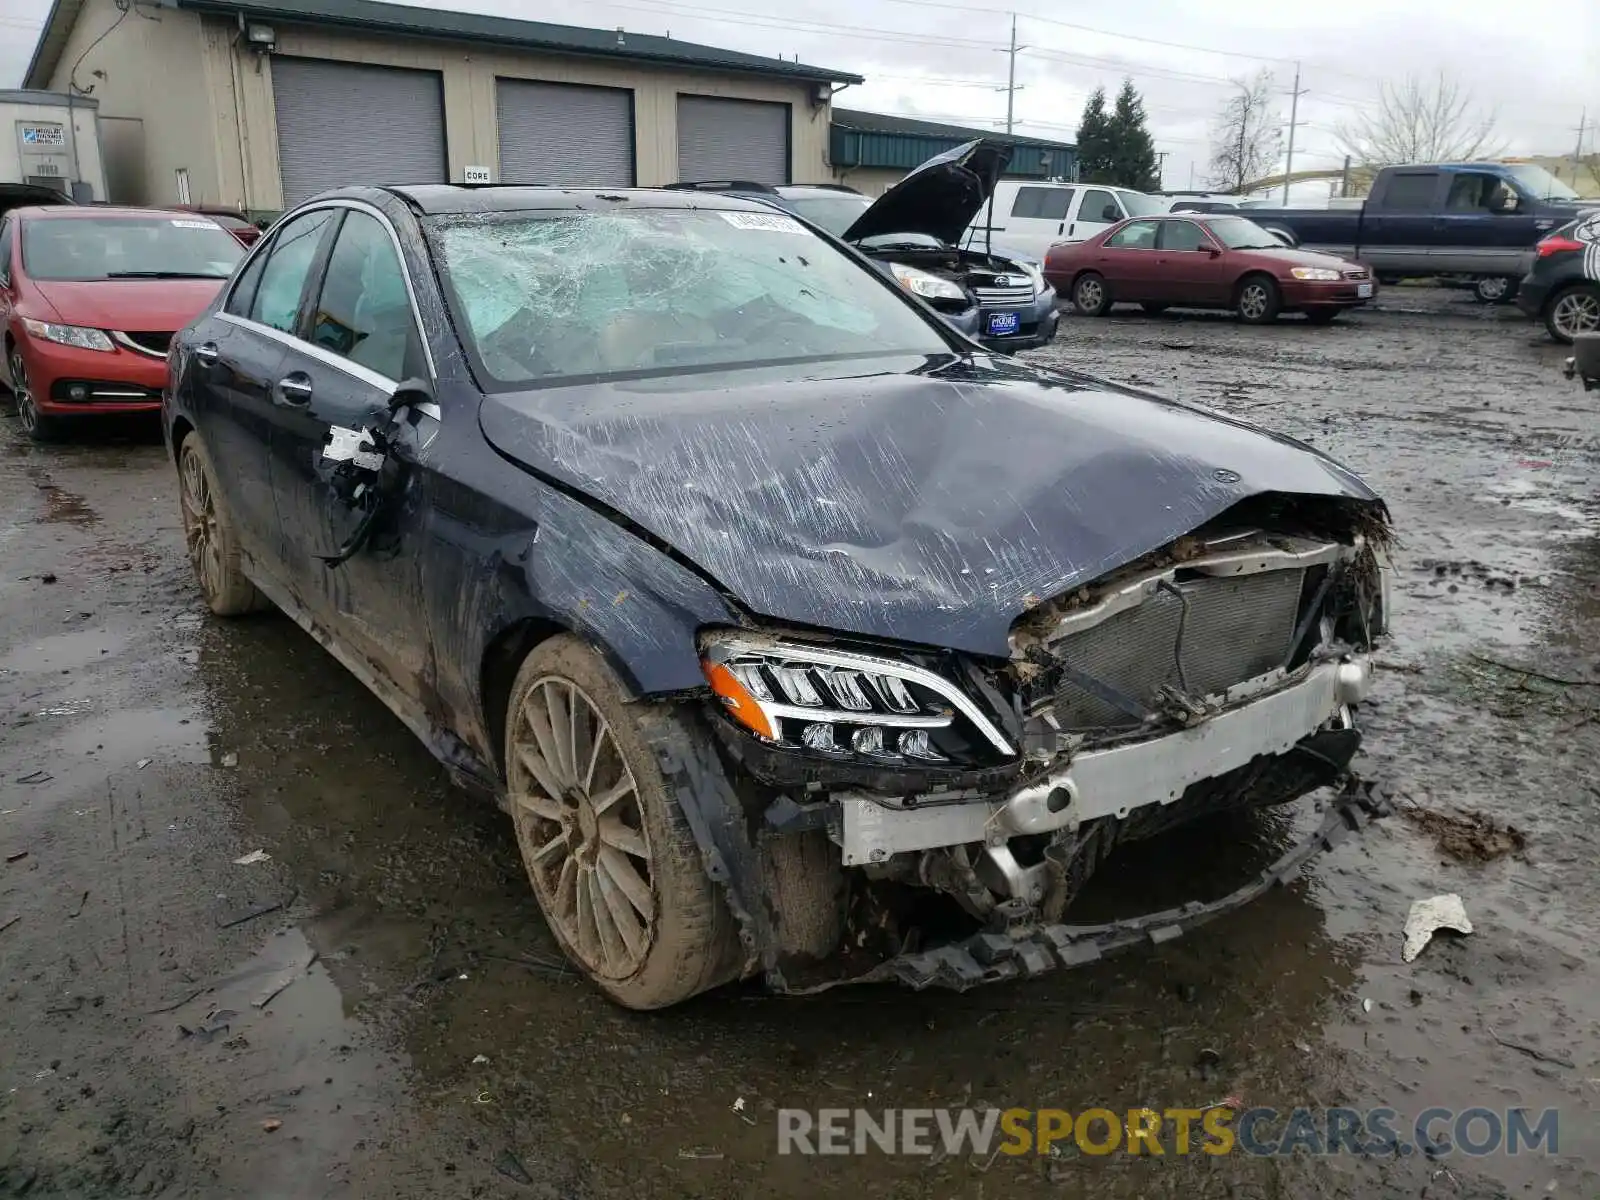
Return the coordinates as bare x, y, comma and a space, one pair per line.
1244, 125
1161, 167
1577, 155
1011, 88
1294, 115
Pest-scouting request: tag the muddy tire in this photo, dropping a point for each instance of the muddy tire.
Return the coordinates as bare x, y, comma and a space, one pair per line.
1321, 316
1573, 310
33, 423
1257, 300
1091, 296
805, 884
209, 535
1155, 310
608, 851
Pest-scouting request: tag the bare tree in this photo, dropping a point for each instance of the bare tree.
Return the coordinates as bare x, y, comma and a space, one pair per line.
1420, 122
1245, 135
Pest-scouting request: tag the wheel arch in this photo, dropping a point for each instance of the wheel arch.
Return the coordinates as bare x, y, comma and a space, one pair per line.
1255, 273
502, 659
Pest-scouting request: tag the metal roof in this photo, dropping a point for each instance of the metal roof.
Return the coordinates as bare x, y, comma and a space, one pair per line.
407, 21
868, 122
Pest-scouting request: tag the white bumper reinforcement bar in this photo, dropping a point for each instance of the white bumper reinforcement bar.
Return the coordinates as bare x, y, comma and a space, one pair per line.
1113, 781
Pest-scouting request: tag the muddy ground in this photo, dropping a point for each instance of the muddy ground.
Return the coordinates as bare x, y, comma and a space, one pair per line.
376, 1009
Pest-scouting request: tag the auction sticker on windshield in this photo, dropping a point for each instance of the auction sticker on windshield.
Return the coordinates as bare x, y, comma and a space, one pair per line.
770, 222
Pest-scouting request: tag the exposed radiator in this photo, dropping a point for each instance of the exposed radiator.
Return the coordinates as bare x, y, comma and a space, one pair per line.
1238, 627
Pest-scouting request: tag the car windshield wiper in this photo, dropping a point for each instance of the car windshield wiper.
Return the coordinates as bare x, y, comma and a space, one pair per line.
163, 275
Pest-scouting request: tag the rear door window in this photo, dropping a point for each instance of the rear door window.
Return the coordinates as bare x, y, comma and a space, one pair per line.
1411, 191
1042, 203
275, 301
1135, 235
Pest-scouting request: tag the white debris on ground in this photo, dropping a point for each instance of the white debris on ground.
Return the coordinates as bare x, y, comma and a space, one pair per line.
1427, 917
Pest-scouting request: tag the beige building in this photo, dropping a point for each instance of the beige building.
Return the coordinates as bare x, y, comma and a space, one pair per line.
260, 105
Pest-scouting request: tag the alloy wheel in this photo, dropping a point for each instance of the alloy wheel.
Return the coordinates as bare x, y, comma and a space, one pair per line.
576, 806
1252, 301
200, 533
1090, 293
22, 393
1575, 313
1492, 289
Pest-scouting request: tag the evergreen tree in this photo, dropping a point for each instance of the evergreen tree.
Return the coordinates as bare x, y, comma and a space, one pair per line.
1094, 140
1132, 156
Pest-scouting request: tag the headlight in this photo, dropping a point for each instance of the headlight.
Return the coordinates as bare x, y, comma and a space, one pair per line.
68, 335
926, 285
847, 705
1317, 274
1033, 273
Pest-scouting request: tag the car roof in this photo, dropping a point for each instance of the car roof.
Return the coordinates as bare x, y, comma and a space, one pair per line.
75, 212
444, 199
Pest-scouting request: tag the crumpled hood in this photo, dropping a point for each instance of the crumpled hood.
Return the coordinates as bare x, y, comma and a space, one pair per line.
131, 305
929, 506
940, 197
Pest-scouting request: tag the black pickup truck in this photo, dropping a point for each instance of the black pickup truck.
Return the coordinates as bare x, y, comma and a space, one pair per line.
1477, 220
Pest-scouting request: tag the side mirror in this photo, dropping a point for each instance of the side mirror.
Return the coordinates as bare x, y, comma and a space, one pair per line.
412, 393
1214, 251
1110, 213
1506, 200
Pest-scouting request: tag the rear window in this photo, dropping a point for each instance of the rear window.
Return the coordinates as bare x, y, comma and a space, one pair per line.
554, 297
833, 213
153, 247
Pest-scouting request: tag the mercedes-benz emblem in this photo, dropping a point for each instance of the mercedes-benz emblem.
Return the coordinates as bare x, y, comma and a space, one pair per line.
1223, 475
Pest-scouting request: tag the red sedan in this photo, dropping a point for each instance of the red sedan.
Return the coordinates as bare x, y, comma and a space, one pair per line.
89, 299
1204, 261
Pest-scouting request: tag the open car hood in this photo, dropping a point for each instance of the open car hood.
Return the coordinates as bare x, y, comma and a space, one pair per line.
940, 198
926, 501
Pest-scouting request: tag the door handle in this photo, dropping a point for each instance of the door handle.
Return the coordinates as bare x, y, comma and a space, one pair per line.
294, 390
1072, 228
207, 352
1061, 227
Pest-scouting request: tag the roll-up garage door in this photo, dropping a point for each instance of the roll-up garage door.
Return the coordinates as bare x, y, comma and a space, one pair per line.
564, 135
732, 139
341, 123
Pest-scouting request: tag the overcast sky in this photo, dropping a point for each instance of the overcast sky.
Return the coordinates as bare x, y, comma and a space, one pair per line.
1531, 62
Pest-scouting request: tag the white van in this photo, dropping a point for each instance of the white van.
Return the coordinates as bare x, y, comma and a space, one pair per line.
1032, 217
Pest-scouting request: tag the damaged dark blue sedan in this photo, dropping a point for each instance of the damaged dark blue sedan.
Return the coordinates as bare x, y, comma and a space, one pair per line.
763, 602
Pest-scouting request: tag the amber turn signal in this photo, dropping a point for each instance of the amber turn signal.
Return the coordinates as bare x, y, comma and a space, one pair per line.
736, 698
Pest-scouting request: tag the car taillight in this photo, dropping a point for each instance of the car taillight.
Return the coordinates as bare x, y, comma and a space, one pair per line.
1556, 245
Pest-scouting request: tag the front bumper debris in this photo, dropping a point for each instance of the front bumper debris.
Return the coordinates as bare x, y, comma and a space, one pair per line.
1026, 949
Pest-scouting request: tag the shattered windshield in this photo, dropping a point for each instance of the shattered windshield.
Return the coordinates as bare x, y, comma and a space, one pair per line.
550, 296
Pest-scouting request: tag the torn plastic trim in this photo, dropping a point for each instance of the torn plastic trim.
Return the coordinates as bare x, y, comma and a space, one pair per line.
1027, 950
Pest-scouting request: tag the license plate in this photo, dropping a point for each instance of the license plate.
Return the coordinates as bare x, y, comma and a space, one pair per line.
1364, 290
1001, 324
